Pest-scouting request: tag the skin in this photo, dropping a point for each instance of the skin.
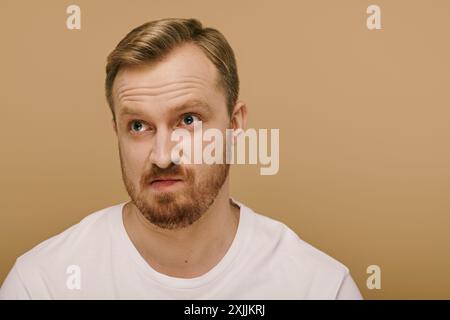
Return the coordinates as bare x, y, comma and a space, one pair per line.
153, 93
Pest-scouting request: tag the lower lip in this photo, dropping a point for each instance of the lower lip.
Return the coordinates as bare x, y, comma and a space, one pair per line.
165, 184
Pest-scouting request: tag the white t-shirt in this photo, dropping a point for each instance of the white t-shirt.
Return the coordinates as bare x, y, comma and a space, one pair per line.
95, 259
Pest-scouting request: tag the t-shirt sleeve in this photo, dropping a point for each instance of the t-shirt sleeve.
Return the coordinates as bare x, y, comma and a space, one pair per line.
13, 287
348, 290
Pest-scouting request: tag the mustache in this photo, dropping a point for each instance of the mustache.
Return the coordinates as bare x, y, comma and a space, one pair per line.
173, 171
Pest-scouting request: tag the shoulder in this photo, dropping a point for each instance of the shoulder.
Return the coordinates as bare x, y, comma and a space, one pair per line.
285, 254
84, 239
289, 244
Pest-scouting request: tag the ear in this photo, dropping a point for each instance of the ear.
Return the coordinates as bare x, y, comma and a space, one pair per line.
239, 116
114, 125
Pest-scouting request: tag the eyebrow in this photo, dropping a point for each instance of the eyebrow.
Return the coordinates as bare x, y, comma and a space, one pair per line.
190, 104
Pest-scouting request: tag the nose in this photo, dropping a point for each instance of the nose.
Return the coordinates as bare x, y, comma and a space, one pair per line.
160, 154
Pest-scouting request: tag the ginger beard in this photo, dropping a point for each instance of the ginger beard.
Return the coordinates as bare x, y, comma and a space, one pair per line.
181, 207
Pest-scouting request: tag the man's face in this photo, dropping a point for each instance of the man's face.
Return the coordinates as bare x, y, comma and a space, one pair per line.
150, 103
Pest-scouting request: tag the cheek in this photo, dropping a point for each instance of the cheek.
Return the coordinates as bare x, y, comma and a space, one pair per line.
134, 156
196, 173
202, 172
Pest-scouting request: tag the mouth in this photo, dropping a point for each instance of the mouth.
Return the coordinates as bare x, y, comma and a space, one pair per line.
163, 184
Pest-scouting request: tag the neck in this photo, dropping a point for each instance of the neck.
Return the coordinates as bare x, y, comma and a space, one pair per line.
187, 252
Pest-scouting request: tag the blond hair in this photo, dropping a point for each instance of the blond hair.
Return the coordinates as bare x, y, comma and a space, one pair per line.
153, 40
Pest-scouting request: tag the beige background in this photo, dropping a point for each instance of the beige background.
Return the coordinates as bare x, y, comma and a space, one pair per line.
363, 117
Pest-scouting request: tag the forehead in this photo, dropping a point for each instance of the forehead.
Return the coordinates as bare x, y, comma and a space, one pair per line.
186, 72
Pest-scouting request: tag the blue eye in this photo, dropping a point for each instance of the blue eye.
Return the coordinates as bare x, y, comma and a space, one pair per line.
137, 126
188, 119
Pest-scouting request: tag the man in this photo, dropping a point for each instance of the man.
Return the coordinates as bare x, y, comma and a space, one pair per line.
180, 236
